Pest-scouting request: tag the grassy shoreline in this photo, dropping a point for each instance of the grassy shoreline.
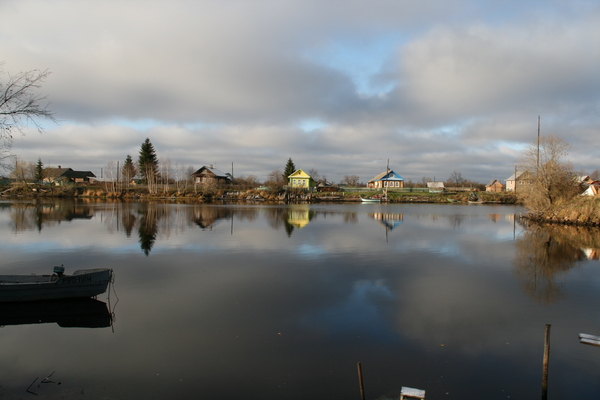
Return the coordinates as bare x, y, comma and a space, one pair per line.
191, 194
581, 210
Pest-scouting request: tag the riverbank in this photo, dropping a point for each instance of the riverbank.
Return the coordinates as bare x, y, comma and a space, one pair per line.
581, 210
255, 195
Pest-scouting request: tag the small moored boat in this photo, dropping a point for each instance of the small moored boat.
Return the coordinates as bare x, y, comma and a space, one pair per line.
370, 200
82, 283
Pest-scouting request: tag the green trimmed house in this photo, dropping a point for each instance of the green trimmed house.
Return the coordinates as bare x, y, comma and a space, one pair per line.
301, 180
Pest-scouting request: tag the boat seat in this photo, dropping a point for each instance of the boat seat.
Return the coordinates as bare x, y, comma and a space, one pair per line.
411, 393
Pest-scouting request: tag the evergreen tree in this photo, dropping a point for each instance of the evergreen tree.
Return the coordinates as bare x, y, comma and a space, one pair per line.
290, 168
39, 171
148, 162
129, 171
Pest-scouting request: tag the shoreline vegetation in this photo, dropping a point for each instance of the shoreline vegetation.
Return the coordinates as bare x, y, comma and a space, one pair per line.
578, 211
192, 194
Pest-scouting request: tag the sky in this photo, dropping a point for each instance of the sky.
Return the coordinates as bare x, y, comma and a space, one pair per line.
339, 86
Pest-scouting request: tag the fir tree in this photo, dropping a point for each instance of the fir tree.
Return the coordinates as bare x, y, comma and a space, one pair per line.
290, 168
39, 171
148, 162
129, 171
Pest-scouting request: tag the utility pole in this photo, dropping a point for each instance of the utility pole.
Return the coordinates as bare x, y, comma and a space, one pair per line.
515, 179
538, 144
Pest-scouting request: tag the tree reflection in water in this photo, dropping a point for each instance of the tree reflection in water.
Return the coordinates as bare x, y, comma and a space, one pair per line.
148, 226
546, 251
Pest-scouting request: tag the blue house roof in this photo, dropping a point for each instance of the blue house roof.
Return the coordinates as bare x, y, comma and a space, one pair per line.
387, 176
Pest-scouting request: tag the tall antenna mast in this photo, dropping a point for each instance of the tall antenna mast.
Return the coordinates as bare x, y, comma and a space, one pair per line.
538, 144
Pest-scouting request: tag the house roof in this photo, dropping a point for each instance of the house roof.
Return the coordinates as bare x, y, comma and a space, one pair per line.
216, 172
583, 179
435, 185
80, 174
517, 174
388, 175
299, 174
491, 183
55, 172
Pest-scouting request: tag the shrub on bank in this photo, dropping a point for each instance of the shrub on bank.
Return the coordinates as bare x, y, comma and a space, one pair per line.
581, 210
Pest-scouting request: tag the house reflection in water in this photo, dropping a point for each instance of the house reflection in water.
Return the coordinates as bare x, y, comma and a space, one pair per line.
389, 220
207, 217
591, 253
300, 215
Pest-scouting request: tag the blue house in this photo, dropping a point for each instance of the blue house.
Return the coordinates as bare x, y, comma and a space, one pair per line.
387, 179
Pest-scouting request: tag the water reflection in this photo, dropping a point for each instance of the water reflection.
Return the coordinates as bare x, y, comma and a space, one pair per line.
389, 220
153, 219
545, 252
299, 216
256, 301
71, 313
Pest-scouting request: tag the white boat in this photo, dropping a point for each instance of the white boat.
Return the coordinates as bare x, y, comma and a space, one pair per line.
370, 200
83, 283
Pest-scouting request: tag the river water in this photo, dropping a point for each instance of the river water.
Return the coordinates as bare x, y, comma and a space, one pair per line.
283, 302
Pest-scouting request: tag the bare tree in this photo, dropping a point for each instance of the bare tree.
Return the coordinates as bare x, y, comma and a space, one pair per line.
456, 179
21, 106
351, 180
248, 182
23, 171
275, 180
112, 175
166, 174
314, 173
550, 180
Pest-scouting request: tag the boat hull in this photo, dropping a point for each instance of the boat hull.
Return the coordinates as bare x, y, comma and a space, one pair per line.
84, 283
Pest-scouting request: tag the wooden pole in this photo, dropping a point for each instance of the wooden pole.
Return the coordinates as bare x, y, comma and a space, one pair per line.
538, 160
515, 179
545, 363
360, 381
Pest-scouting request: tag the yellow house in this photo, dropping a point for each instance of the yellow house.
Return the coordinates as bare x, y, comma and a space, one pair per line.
301, 180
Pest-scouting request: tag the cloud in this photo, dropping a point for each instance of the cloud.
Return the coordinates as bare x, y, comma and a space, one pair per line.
434, 88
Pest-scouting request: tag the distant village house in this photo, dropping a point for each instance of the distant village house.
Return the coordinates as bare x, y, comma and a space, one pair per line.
435, 187
387, 179
211, 175
59, 176
494, 186
301, 180
517, 180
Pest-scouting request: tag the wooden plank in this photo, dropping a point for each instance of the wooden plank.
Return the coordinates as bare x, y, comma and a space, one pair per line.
586, 336
411, 392
589, 339
592, 342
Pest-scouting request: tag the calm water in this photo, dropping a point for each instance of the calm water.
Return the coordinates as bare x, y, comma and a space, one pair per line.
282, 302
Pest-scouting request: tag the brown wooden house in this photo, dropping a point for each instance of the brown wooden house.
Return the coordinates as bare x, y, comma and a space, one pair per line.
211, 175
494, 186
61, 175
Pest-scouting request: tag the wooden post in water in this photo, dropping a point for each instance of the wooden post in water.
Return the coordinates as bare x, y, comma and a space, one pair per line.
360, 382
545, 364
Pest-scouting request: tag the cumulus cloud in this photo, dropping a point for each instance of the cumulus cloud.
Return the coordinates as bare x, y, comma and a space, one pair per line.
434, 88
